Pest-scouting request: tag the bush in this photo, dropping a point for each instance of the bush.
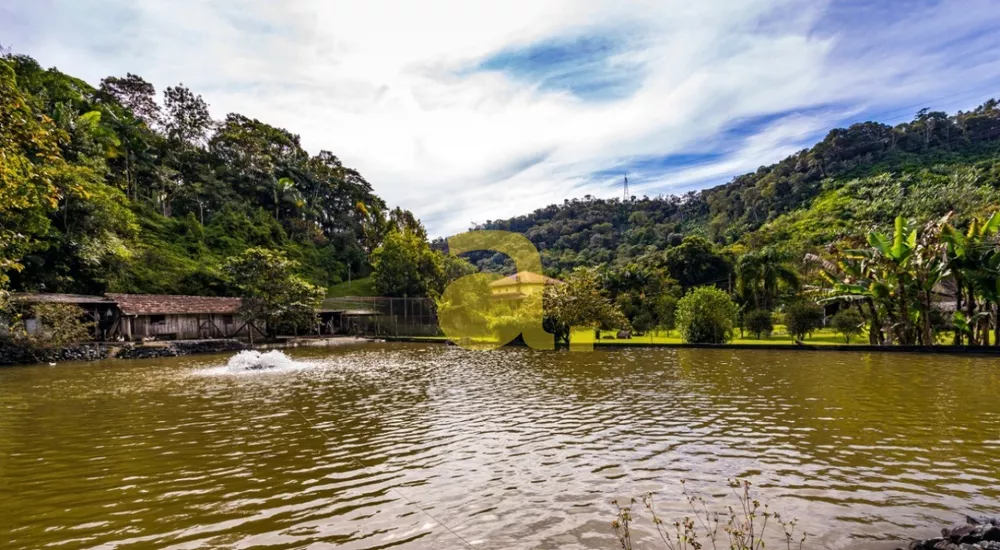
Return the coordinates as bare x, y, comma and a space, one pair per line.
759, 322
58, 325
848, 323
705, 316
666, 312
802, 318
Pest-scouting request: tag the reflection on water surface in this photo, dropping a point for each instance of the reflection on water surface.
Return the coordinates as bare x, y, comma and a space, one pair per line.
510, 449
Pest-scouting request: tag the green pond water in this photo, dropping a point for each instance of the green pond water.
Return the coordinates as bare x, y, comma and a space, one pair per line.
419, 446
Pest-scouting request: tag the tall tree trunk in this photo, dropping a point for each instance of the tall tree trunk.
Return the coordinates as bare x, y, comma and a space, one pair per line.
928, 336
970, 308
875, 335
958, 308
906, 330
996, 324
128, 175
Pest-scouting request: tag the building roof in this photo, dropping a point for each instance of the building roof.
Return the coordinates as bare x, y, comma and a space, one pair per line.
149, 304
40, 298
525, 278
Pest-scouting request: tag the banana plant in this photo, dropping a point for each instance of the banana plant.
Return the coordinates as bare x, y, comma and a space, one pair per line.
974, 260
896, 276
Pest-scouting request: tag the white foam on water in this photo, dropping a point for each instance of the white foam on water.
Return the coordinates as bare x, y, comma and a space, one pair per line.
254, 361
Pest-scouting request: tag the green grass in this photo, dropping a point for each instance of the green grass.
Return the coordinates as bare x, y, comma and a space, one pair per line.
359, 287
823, 337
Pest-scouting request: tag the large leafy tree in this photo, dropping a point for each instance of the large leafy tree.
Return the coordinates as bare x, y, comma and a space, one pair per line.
405, 265
31, 171
696, 262
186, 118
646, 295
580, 303
272, 293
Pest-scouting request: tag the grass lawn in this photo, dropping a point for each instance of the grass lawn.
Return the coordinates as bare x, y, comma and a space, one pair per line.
779, 336
822, 337
358, 287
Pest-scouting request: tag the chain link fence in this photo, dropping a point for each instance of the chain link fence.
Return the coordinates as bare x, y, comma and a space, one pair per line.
379, 316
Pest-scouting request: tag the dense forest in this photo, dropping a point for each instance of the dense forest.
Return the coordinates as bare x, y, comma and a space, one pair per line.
854, 181
109, 189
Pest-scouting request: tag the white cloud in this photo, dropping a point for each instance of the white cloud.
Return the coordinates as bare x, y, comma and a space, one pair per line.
387, 85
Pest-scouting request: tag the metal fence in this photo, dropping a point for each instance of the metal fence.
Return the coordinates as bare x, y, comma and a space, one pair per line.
380, 316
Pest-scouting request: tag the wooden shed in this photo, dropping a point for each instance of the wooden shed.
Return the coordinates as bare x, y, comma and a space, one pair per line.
162, 317
98, 310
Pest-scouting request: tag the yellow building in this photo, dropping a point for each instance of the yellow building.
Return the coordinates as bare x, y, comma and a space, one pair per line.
520, 285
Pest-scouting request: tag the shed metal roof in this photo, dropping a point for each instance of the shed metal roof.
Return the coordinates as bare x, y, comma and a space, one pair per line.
156, 304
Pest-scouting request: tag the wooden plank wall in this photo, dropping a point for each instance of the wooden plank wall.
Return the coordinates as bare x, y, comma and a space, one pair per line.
188, 327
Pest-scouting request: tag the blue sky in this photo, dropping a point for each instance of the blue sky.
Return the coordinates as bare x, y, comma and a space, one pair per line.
466, 111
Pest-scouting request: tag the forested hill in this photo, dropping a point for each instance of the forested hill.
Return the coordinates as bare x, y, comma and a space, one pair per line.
107, 189
856, 178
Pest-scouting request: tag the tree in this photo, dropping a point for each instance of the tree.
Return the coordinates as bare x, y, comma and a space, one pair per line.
759, 322
696, 263
580, 303
645, 294
466, 308
405, 265
31, 165
273, 295
802, 318
666, 311
706, 315
848, 323
187, 118
135, 94
761, 274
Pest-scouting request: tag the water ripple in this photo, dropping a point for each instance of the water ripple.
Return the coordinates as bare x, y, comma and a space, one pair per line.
509, 449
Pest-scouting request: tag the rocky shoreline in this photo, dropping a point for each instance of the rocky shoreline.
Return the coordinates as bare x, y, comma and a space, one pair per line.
974, 534
21, 355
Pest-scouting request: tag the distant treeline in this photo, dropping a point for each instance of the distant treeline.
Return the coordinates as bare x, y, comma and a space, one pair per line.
857, 179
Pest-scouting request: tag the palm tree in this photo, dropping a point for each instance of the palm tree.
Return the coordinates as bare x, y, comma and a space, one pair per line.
761, 274
284, 190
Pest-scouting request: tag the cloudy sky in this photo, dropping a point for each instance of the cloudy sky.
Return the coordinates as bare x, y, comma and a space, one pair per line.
468, 110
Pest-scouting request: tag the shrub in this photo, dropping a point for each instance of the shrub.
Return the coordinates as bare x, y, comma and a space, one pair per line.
848, 323
59, 325
666, 312
759, 322
643, 322
705, 316
802, 318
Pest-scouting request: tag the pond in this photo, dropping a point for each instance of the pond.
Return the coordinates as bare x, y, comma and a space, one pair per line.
422, 446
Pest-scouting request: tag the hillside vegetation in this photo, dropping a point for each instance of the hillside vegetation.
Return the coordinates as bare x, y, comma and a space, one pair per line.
107, 189
857, 179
